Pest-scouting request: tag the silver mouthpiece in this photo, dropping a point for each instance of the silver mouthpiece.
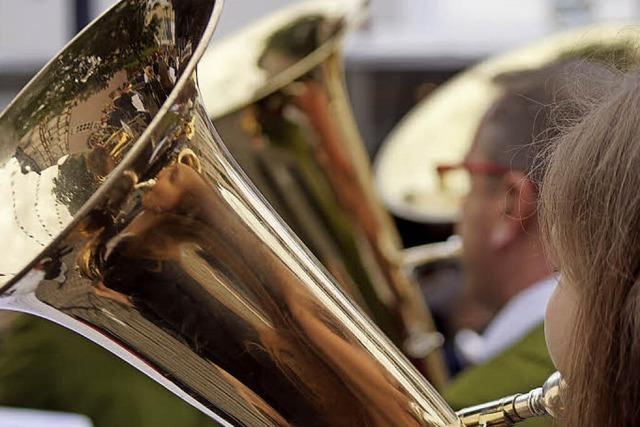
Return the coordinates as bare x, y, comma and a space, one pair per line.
507, 411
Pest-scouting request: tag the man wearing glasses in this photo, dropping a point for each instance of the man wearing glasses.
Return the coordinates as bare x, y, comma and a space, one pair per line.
505, 267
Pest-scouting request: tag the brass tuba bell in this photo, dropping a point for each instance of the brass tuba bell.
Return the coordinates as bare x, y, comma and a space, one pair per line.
131, 224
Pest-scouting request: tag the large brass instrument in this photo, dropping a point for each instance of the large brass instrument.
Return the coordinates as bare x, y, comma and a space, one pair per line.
286, 120
129, 223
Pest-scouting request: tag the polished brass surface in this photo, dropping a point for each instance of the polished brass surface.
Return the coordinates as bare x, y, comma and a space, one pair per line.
288, 123
441, 128
129, 222
540, 402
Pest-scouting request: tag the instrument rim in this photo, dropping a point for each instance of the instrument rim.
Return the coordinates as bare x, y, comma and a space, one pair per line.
276, 82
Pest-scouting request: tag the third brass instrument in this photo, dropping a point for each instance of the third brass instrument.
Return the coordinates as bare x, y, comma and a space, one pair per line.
441, 128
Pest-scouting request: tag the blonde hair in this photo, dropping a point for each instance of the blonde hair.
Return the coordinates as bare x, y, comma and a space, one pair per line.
590, 217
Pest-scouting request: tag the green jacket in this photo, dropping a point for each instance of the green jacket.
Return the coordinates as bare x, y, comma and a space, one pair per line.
520, 368
44, 366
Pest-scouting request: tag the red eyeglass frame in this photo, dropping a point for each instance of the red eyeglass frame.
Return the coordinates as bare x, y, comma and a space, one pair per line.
481, 168
473, 168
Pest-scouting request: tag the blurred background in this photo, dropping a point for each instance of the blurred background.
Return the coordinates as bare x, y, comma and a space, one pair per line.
405, 50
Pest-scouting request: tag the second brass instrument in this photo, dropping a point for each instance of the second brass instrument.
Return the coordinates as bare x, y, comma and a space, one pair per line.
287, 121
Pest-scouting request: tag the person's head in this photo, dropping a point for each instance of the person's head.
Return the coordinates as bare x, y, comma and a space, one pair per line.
499, 224
590, 215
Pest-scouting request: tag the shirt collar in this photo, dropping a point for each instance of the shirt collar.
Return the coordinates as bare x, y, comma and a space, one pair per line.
521, 314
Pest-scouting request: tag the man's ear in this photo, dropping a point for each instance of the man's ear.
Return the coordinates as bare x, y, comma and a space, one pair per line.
519, 209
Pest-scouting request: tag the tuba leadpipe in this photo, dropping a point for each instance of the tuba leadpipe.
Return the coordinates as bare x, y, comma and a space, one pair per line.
540, 402
132, 225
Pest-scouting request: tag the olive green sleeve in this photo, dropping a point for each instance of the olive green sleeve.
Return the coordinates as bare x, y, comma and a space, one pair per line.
43, 366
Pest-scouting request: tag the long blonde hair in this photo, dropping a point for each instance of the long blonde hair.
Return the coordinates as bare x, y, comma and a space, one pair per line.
590, 216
